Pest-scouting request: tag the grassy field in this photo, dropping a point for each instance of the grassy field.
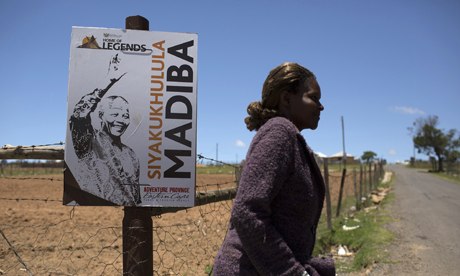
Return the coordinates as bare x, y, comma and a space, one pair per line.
9, 171
215, 169
451, 173
16, 171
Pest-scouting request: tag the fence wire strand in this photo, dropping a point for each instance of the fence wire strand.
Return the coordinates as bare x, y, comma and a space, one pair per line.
42, 237
54, 239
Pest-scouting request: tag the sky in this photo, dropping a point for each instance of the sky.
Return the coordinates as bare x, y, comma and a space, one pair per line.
380, 64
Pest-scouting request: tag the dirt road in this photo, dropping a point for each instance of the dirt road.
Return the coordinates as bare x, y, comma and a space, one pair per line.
427, 225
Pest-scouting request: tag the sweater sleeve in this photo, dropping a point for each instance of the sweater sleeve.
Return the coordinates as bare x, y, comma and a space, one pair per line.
267, 169
322, 266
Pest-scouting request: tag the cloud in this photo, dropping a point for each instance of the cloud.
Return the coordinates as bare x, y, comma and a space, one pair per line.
407, 110
240, 144
392, 152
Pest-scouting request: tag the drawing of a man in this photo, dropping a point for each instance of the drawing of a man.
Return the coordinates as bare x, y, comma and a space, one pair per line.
109, 169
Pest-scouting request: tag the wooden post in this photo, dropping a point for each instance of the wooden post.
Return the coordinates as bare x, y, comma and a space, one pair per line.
328, 196
355, 186
238, 171
342, 181
137, 221
376, 175
371, 188
382, 172
365, 192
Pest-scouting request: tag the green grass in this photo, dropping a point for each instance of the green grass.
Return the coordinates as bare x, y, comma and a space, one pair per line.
421, 165
451, 177
208, 269
13, 172
367, 242
8, 172
454, 176
215, 170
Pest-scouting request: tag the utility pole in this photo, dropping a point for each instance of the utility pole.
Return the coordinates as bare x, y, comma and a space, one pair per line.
344, 160
344, 171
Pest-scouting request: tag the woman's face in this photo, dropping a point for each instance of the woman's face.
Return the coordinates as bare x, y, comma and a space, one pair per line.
305, 106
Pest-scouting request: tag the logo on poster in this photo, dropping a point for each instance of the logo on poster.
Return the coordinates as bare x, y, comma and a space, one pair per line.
112, 43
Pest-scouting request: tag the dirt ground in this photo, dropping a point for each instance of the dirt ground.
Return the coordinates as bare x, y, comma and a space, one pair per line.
39, 236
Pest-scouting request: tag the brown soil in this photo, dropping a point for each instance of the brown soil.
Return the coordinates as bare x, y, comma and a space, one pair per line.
43, 237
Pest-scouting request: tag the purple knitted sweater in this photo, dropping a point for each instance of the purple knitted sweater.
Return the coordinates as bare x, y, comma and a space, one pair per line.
276, 210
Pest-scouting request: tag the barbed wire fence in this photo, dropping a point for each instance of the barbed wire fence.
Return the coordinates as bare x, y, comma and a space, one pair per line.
40, 236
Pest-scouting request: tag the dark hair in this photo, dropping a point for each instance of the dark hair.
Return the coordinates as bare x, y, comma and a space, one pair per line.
285, 77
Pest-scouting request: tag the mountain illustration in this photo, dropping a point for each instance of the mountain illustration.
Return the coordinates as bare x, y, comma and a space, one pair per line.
89, 42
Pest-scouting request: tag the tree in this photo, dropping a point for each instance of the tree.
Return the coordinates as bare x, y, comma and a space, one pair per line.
431, 140
452, 152
368, 156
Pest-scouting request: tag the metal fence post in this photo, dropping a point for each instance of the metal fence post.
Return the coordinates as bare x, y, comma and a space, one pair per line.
137, 221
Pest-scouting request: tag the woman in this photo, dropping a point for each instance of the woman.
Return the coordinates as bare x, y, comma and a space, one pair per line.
281, 191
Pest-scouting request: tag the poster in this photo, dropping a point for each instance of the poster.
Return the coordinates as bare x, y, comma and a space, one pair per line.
131, 120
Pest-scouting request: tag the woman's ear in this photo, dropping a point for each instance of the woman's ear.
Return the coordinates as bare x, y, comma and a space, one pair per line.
284, 103
285, 99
